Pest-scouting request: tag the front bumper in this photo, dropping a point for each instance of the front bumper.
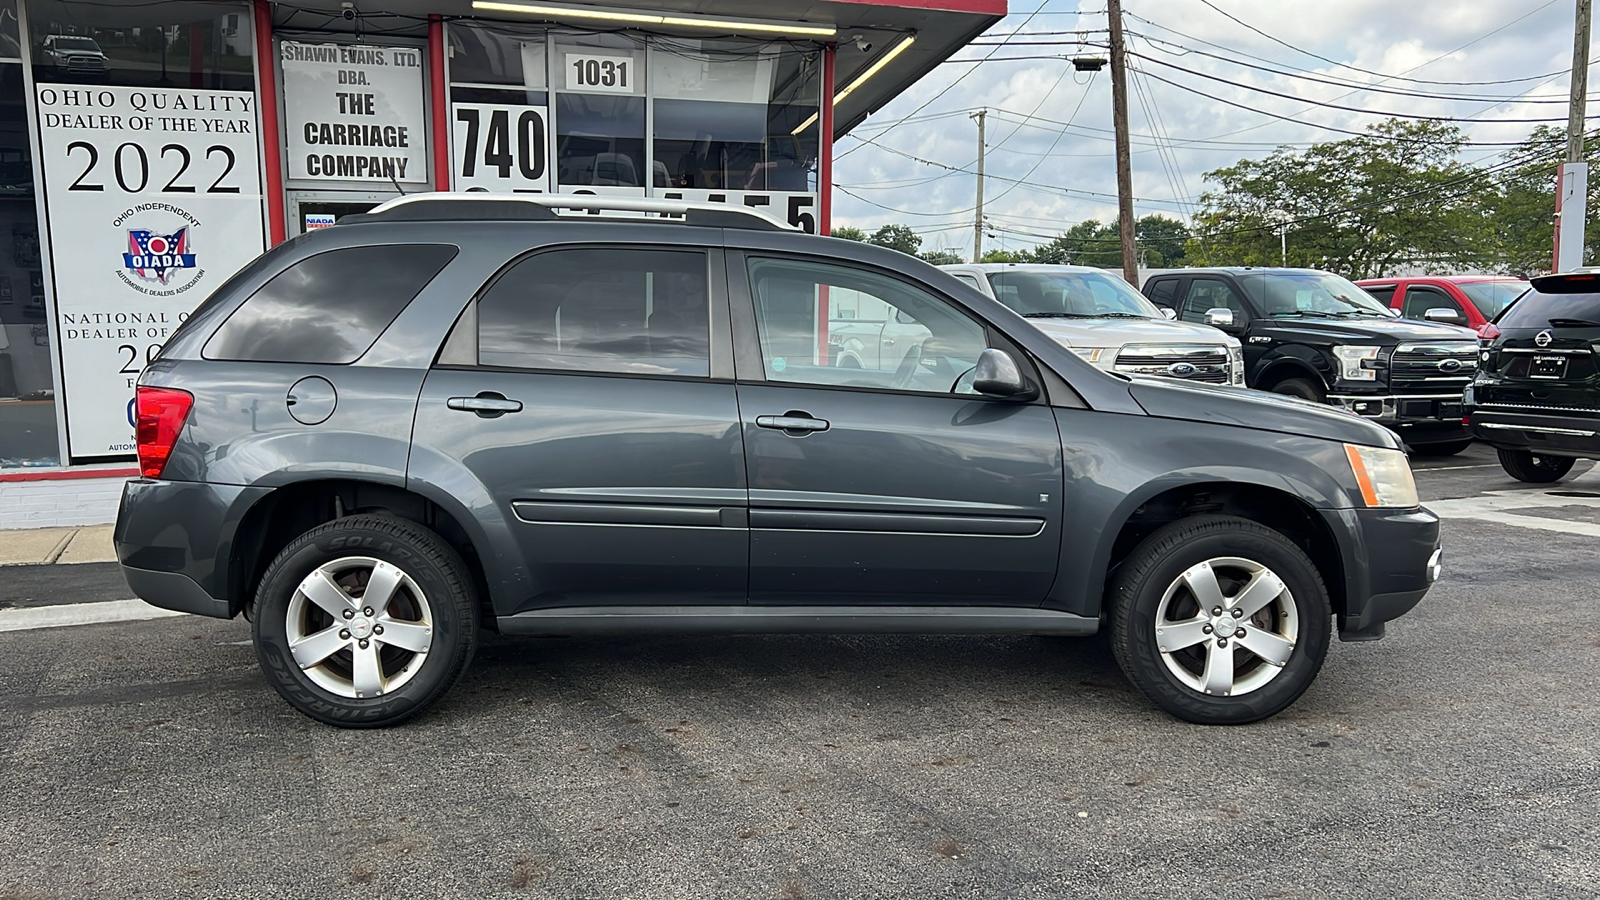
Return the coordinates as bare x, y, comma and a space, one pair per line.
1391, 558
1547, 432
1417, 418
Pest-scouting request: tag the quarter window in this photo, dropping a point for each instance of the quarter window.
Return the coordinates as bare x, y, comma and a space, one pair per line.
874, 331
643, 312
328, 308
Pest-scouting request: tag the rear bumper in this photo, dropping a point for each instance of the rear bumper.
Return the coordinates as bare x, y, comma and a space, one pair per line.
1392, 559
1545, 432
174, 540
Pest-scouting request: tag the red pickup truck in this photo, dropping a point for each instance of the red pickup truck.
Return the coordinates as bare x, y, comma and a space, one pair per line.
1470, 300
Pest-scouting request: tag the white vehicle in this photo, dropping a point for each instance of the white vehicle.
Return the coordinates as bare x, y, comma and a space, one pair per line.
1107, 322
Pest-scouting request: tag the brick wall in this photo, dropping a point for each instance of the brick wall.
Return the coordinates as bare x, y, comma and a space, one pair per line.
74, 501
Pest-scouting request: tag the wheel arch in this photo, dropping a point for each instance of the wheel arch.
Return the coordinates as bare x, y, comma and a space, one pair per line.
1283, 368
1284, 507
293, 509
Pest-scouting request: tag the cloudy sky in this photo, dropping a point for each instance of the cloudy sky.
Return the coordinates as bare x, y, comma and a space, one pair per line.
1518, 51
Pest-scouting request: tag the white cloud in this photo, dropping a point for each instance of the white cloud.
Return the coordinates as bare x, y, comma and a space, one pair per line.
1454, 43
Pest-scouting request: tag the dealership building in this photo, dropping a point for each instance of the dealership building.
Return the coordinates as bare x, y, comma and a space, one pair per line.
150, 150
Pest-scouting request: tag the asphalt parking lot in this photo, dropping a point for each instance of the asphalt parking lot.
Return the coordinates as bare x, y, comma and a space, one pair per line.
1455, 758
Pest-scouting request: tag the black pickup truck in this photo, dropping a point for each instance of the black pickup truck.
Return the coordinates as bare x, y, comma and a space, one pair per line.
1317, 336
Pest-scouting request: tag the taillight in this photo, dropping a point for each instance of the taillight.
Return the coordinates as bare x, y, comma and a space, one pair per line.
1488, 332
162, 412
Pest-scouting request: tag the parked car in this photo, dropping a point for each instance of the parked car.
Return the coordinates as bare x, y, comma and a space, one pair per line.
1317, 336
1467, 300
70, 55
467, 410
1536, 398
1106, 321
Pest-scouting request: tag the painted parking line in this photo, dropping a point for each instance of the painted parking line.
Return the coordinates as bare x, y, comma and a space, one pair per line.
33, 617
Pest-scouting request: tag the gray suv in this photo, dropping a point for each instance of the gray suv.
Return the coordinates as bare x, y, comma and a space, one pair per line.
461, 412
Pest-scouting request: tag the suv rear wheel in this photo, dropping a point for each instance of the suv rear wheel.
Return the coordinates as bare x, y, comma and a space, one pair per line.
1219, 620
365, 621
1534, 468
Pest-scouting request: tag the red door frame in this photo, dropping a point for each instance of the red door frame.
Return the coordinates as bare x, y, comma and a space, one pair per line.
271, 127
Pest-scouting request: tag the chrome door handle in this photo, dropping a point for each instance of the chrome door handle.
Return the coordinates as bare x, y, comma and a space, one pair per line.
793, 423
487, 404
888, 342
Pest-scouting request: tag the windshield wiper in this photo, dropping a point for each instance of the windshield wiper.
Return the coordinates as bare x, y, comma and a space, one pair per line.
1058, 315
1119, 315
1316, 313
1564, 322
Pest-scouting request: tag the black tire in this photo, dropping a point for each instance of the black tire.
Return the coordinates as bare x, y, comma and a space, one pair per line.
1304, 388
1444, 448
447, 606
1534, 468
1143, 580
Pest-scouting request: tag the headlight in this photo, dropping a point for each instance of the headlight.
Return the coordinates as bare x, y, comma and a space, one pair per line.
1236, 366
1384, 476
1357, 362
1091, 354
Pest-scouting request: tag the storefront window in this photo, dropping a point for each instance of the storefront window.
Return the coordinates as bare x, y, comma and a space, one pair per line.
190, 45
600, 115
499, 109
28, 435
726, 113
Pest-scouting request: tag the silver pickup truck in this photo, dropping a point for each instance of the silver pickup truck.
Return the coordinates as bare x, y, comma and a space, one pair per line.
1108, 323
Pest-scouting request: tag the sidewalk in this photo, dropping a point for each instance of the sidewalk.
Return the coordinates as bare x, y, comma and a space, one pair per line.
44, 546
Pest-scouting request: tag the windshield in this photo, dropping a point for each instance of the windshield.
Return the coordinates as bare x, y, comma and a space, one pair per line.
1309, 294
1492, 296
1071, 295
75, 43
1536, 309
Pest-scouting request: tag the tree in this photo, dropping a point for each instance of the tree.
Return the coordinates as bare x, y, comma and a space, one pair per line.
942, 257
1360, 207
1521, 215
850, 234
1161, 241
897, 237
1004, 256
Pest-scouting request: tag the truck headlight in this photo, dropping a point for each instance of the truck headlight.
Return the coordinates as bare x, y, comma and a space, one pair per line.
1236, 366
1384, 476
1357, 362
1091, 354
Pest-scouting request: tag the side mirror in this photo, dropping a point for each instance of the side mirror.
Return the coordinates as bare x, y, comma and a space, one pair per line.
1443, 314
1219, 317
1169, 312
998, 376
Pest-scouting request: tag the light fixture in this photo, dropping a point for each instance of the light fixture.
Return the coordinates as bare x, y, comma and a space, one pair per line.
861, 79
640, 18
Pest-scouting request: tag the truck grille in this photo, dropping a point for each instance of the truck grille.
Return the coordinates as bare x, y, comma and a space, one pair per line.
1444, 368
1205, 364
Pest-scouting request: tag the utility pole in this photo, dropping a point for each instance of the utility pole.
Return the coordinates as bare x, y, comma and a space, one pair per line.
977, 224
1119, 117
1572, 185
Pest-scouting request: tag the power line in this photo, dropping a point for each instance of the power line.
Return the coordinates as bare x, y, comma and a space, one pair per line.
1401, 77
1328, 105
946, 88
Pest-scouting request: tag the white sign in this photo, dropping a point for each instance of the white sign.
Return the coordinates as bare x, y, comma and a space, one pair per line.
500, 148
355, 113
796, 208
593, 72
154, 199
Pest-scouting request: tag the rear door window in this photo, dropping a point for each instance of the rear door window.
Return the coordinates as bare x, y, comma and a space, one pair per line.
328, 308
1383, 293
642, 312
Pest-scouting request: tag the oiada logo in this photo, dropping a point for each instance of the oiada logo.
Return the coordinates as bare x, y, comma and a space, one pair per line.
155, 257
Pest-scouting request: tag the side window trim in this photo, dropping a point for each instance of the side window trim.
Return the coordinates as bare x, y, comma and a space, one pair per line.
749, 364
460, 347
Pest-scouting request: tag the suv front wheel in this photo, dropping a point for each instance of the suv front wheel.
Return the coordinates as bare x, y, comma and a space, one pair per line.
1219, 620
365, 621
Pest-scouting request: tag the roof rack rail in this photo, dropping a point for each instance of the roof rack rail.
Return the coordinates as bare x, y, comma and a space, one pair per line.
465, 205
